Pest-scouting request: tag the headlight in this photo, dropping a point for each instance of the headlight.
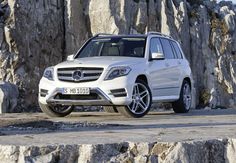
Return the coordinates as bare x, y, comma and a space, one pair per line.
49, 73
117, 72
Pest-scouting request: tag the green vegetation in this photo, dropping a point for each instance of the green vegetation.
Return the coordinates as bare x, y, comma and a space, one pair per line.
218, 24
204, 97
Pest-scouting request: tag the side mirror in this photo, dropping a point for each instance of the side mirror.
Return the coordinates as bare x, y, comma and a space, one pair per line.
70, 57
157, 56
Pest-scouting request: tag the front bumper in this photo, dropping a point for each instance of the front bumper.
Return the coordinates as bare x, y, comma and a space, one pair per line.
103, 89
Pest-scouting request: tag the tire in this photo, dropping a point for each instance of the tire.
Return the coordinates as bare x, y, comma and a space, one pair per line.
136, 109
110, 109
51, 111
183, 105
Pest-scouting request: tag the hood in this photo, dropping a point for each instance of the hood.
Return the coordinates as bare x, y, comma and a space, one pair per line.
104, 62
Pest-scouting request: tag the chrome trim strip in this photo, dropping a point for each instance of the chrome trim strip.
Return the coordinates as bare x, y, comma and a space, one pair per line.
166, 88
118, 93
79, 102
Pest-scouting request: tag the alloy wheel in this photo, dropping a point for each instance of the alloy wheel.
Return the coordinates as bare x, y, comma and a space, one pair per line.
140, 99
187, 98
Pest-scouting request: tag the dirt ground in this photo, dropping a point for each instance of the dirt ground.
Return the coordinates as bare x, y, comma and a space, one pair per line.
100, 127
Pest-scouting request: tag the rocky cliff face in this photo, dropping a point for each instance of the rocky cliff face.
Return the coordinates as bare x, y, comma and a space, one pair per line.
31, 38
38, 34
216, 151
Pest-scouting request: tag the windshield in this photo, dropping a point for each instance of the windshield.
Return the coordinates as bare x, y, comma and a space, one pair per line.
117, 46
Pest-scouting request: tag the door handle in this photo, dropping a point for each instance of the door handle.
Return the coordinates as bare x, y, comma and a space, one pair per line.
167, 64
179, 62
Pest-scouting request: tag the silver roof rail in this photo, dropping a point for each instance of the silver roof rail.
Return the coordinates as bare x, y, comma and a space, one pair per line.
159, 34
102, 34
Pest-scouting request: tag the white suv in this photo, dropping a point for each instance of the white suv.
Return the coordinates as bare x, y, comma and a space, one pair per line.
122, 73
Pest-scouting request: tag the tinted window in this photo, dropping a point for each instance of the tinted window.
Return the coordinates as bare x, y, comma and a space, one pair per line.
177, 50
155, 46
169, 54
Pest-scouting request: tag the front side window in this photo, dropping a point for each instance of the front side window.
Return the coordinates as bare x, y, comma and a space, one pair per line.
155, 46
117, 46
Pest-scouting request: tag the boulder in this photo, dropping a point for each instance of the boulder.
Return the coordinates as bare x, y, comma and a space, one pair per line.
8, 97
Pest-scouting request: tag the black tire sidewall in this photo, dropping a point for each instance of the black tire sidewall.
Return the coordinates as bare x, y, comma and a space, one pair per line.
179, 106
47, 109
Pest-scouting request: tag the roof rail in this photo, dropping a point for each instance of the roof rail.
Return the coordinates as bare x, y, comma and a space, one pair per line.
102, 34
158, 33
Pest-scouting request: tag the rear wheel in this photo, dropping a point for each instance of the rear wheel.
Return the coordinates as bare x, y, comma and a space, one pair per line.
110, 109
183, 105
57, 110
141, 101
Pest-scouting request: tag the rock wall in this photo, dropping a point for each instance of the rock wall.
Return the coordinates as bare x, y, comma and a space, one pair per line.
37, 34
216, 151
31, 38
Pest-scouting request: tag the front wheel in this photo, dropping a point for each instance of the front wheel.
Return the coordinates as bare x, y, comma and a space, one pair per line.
183, 105
141, 101
57, 110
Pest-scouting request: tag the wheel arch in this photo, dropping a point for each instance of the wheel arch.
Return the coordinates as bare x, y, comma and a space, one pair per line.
143, 78
188, 80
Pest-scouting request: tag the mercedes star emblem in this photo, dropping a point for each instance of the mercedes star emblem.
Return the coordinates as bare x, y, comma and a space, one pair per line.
77, 75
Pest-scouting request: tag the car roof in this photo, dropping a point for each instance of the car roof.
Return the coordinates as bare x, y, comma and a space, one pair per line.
120, 36
131, 36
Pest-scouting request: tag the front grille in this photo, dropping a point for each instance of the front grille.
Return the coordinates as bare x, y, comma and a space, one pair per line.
85, 73
91, 96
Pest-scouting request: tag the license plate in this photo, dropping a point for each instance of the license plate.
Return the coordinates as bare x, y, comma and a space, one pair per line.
77, 91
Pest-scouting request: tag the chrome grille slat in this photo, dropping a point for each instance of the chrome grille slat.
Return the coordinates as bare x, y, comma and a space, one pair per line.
65, 78
90, 78
88, 74
91, 72
65, 72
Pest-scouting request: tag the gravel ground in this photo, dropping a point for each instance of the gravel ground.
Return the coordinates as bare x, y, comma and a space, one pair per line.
100, 127
46, 126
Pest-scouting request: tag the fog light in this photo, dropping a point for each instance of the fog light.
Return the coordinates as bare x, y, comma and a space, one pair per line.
43, 92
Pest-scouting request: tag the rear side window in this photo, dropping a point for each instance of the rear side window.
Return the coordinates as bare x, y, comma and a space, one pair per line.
169, 54
177, 50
